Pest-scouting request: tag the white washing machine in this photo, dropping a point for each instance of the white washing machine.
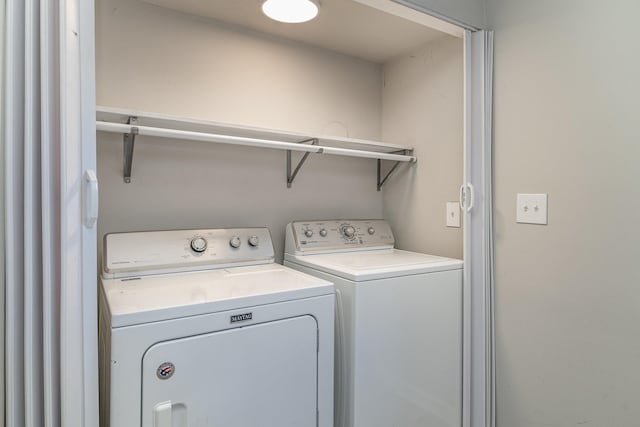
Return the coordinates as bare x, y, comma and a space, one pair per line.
398, 328
202, 328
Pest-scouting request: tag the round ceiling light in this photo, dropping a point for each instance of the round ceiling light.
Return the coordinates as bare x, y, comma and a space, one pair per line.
290, 11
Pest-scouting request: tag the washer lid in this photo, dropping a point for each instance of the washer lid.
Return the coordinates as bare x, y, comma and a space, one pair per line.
376, 264
170, 296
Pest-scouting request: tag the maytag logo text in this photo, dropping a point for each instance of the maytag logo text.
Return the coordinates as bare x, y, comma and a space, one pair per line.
241, 317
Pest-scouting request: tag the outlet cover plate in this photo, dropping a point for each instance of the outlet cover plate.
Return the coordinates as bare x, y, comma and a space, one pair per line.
532, 209
453, 214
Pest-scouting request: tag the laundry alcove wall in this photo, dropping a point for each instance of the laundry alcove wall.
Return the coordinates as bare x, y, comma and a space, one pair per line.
150, 58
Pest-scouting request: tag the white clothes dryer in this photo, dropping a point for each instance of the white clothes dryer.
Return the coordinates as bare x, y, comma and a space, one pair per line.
398, 327
202, 328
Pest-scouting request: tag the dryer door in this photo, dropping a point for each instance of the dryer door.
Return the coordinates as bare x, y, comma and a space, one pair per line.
259, 375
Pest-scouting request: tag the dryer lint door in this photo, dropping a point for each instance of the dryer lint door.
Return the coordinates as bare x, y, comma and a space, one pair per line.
260, 375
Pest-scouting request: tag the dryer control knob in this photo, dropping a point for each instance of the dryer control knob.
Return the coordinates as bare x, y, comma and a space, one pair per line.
235, 242
349, 231
308, 232
199, 244
323, 232
254, 241
371, 230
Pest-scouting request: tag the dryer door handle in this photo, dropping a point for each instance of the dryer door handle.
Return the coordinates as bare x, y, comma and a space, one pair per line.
162, 414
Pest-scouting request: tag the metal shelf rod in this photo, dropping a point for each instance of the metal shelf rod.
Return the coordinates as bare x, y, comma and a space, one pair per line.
251, 142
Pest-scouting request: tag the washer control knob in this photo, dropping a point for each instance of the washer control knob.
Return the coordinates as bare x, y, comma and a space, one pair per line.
348, 231
308, 232
371, 230
254, 241
323, 232
199, 244
235, 242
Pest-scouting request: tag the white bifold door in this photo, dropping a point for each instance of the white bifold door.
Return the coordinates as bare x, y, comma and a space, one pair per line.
260, 375
50, 209
476, 202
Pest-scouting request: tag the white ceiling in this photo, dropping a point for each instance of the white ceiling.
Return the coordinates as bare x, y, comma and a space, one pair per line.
343, 26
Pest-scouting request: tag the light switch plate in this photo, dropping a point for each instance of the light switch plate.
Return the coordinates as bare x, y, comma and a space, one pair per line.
531, 209
453, 214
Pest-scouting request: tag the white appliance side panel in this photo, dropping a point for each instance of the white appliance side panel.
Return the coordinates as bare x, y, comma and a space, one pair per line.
400, 362
344, 352
264, 374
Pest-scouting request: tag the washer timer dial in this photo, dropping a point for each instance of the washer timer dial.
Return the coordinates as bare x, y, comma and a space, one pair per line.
348, 231
199, 244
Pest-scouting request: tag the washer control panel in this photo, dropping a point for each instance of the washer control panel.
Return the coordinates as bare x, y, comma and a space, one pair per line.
309, 236
152, 252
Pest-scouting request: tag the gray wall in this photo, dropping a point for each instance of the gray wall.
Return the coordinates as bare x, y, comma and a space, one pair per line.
567, 115
422, 106
152, 59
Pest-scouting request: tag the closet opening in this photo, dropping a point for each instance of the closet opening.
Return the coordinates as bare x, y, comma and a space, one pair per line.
200, 104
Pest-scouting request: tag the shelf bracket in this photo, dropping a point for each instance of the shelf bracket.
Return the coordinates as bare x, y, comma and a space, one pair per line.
381, 181
292, 175
128, 143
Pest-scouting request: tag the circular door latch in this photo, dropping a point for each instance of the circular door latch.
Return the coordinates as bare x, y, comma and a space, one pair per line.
165, 371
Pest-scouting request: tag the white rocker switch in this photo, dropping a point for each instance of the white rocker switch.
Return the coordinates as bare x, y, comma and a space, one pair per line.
531, 209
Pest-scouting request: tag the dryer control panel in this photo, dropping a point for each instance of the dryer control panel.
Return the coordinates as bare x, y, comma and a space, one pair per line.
337, 235
154, 252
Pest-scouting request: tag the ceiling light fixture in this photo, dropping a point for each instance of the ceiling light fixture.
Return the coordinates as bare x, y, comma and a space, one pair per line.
290, 11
